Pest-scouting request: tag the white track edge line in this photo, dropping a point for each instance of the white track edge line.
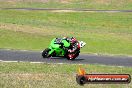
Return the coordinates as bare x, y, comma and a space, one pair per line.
53, 63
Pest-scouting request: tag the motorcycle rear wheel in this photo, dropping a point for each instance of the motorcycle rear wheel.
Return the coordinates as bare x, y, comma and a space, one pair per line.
45, 53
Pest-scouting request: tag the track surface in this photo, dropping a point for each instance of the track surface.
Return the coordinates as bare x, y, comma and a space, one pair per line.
34, 56
57, 9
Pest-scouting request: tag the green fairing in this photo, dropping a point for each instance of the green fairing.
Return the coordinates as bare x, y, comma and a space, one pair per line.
56, 47
66, 44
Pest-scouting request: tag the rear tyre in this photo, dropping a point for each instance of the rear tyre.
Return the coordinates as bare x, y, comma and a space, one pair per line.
45, 53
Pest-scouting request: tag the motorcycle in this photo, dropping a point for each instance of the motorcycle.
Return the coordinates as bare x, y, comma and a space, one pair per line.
59, 48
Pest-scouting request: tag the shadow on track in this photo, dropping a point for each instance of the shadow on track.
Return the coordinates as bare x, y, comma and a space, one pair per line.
62, 58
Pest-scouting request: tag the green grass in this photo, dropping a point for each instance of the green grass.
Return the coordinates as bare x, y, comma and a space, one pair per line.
25, 75
18, 40
104, 33
89, 4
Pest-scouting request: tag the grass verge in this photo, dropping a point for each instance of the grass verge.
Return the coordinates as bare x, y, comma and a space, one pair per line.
25, 75
89, 4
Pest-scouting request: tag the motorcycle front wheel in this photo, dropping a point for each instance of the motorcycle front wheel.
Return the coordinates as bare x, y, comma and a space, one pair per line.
72, 56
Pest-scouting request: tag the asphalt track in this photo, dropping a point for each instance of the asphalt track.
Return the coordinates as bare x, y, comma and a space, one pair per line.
35, 56
66, 9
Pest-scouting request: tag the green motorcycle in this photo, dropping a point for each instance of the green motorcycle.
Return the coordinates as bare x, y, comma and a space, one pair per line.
59, 48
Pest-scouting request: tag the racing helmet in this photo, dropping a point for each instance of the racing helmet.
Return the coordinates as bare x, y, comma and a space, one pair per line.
73, 40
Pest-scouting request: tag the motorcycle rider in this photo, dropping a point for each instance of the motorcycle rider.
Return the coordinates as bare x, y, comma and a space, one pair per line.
73, 44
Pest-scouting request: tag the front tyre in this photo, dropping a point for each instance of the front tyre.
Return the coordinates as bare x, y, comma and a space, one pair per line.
72, 56
45, 53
